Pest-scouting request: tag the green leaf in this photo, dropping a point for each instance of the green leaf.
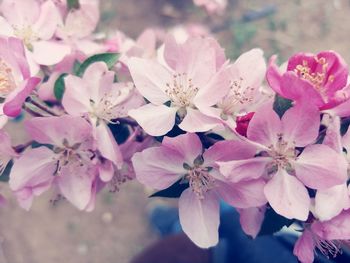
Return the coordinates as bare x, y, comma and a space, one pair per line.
76, 67
73, 4
281, 105
173, 191
109, 58
59, 87
273, 223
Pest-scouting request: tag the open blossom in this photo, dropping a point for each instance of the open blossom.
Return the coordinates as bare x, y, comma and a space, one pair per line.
212, 6
16, 82
102, 101
77, 28
182, 159
35, 23
70, 164
330, 202
244, 95
280, 160
193, 69
325, 236
321, 79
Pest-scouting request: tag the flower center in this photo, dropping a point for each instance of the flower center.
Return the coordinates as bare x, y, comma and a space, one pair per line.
7, 81
281, 153
237, 96
329, 248
181, 91
27, 35
112, 105
317, 79
200, 180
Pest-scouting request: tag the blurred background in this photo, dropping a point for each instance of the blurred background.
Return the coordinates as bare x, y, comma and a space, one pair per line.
119, 228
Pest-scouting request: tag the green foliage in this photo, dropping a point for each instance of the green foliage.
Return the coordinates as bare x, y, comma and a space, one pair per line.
59, 87
109, 58
73, 4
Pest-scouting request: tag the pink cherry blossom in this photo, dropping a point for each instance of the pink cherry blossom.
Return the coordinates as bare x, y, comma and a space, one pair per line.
244, 95
16, 82
212, 6
35, 23
321, 78
193, 68
182, 159
331, 201
98, 98
69, 165
287, 169
325, 236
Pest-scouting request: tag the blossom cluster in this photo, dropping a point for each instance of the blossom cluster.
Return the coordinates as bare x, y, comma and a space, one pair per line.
178, 117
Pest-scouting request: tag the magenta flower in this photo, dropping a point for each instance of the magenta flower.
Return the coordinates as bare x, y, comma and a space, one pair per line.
193, 69
280, 160
16, 82
70, 164
321, 79
182, 158
35, 23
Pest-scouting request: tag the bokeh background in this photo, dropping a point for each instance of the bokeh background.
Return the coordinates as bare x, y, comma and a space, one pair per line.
119, 228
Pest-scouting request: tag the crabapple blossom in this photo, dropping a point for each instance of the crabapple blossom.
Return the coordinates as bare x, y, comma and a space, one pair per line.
98, 98
16, 81
320, 78
182, 159
69, 164
35, 23
212, 6
193, 69
288, 170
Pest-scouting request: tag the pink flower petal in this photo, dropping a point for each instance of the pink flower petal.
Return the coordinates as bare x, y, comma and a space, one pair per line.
288, 196
199, 218
150, 79
251, 220
320, 167
158, 167
195, 121
155, 120
304, 247
300, 124
48, 53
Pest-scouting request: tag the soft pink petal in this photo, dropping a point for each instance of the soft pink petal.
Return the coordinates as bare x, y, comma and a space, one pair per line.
54, 130
107, 145
49, 19
155, 120
224, 151
304, 247
76, 99
244, 194
338, 228
333, 137
251, 220
187, 145
20, 12
300, 124
195, 121
288, 196
238, 170
265, 126
48, 53
330, 202
150, 79
106, 171
199, 218
158, 167
75, 183
320, 167
13, 103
